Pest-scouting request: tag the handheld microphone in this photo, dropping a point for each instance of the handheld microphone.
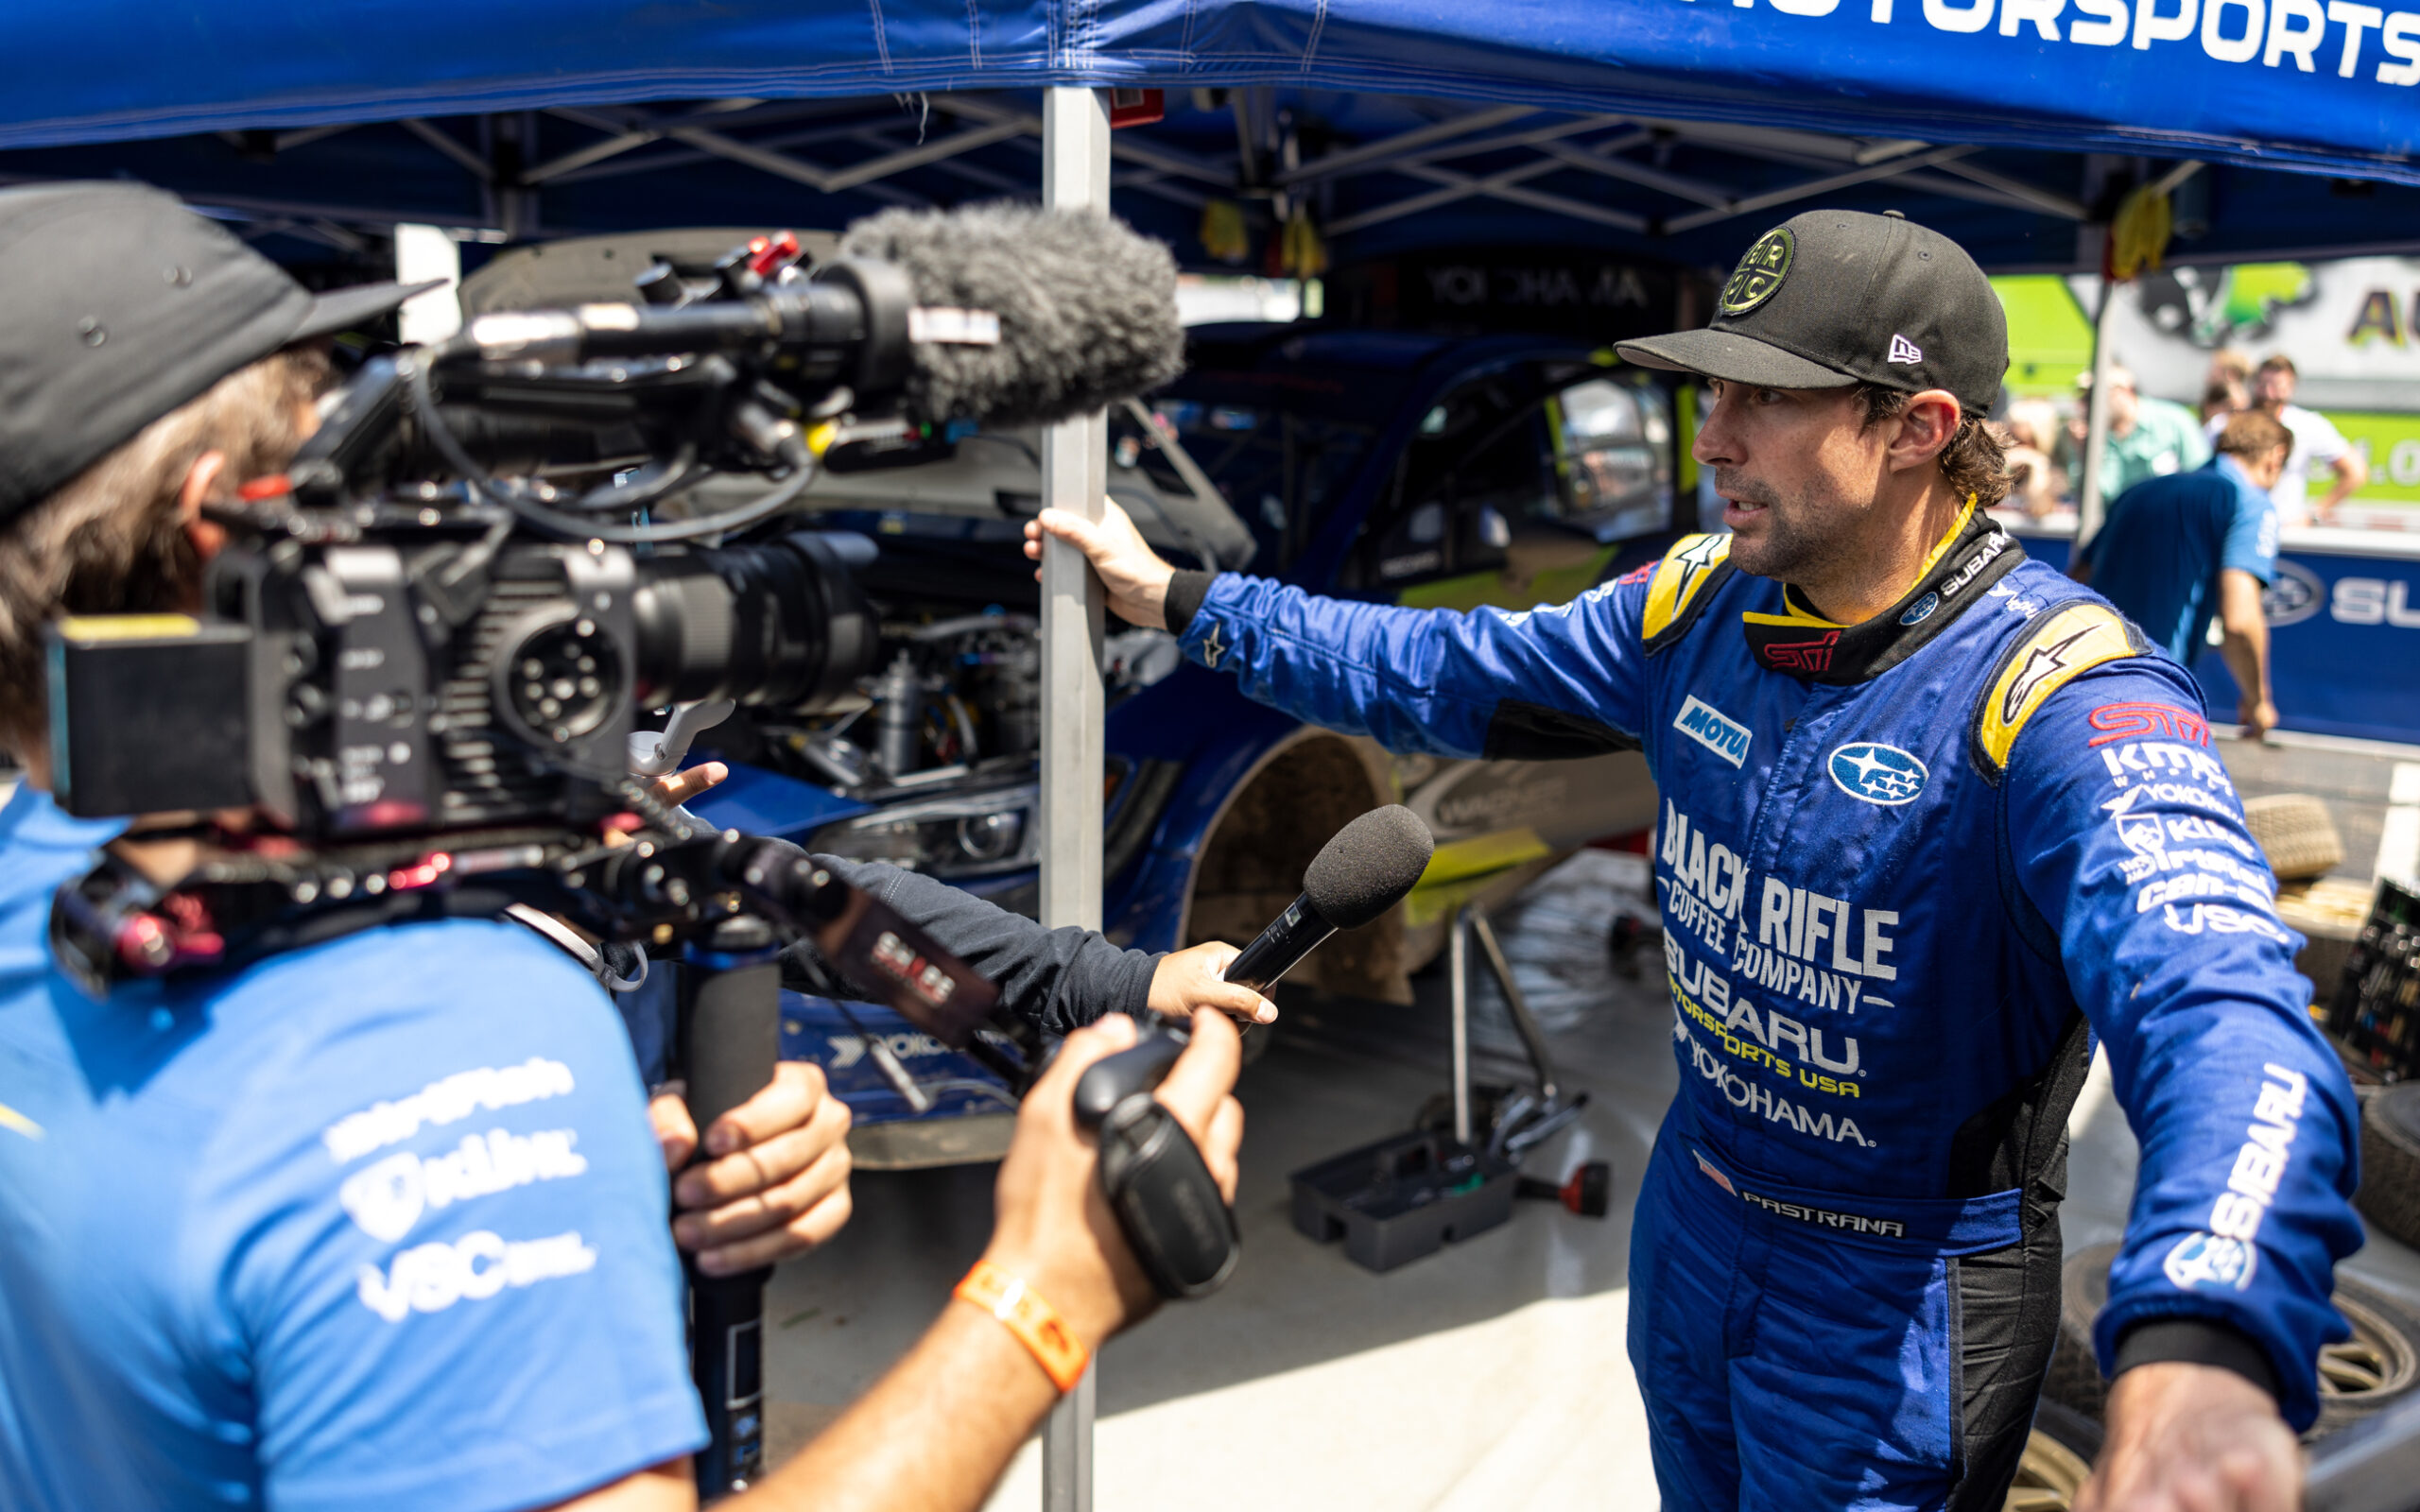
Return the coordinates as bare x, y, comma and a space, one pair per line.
1005, 314
1362, 873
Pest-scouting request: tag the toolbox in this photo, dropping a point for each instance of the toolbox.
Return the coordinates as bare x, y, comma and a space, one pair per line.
1402, 1197
2375, 1015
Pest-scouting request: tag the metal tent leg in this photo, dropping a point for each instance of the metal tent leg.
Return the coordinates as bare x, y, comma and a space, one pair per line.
1074, 476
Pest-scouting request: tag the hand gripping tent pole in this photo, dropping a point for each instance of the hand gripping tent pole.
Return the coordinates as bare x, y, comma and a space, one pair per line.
1074, 476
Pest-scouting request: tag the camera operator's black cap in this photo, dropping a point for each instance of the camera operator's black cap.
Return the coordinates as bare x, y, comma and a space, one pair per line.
1838, 297
117, 304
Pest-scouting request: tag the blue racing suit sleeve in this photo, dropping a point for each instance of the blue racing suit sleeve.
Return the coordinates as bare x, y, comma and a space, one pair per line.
432, 1240
2125, 832
1564, 680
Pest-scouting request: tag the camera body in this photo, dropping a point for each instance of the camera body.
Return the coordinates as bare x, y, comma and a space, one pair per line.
397, 640
349, 687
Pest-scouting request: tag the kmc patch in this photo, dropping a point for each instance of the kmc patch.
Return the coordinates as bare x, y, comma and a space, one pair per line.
1760, 271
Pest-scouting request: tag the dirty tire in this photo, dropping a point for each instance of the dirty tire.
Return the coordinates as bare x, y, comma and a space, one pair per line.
2058, 1460
2389, 1195
2377, 1367
2295, 832
2074, 1380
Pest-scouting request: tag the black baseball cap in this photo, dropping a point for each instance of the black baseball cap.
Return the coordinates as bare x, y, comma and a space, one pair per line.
117, 304
1838, 297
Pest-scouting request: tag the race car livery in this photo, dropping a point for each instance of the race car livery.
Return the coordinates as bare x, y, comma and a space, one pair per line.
1908, 869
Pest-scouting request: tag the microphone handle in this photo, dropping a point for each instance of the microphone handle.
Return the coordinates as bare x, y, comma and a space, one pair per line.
1293, 934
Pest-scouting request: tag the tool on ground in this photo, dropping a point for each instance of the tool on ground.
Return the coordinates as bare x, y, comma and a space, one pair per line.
1589, 1193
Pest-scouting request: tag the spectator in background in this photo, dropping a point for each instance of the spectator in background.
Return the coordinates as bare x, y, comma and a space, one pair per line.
2317, 444
2037, 484
2175, 548
2226, 390
2147, 437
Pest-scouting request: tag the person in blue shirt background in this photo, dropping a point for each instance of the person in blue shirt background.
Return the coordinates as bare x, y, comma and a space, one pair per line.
2174, 549
381, 1222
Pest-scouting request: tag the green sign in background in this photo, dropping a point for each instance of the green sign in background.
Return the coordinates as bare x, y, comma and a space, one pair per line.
2050, 338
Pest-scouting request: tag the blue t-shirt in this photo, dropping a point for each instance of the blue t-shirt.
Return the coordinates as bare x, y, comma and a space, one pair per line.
379, 1223
2160, 552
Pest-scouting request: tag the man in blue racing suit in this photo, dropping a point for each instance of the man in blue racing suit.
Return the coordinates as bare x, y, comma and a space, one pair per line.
1932, 821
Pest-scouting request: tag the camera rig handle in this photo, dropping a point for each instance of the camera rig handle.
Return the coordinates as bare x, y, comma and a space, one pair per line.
659, 754
1178, 1225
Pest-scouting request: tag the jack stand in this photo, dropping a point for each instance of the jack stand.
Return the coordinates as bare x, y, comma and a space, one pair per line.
1407, 1196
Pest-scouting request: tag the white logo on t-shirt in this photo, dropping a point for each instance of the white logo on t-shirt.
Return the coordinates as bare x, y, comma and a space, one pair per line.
386, 1199
432, 1278
450, 1101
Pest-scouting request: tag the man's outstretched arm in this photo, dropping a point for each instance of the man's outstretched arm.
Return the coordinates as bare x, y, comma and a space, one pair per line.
1560, 681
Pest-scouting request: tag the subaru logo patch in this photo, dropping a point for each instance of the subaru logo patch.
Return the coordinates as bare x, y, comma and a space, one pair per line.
1875, 773
1705, 724
1920, 609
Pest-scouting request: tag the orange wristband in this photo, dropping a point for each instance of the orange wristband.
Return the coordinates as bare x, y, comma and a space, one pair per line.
1035, 1322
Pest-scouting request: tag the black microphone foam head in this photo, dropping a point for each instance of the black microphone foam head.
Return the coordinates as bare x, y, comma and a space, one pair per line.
1087, 309
1368, 868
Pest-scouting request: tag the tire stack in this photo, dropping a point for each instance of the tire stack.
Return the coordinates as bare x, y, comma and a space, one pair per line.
2390, 1195
2375, 1368
2302, 845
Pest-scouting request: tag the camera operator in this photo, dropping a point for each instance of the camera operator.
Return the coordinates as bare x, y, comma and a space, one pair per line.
379, 1220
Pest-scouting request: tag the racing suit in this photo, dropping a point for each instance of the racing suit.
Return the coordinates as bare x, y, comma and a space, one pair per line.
1901, 864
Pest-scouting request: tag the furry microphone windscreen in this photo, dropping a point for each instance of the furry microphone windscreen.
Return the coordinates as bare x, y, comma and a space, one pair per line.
1087, 308
1369, 865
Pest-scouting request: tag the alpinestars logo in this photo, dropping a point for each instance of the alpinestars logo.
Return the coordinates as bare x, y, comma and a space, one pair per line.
2039, 663
1212, 649
1696, 559
1904, 351
1705, 724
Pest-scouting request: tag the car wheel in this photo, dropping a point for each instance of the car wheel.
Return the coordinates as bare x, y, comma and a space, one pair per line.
2057, 1460
2378, 1366
2390, 1195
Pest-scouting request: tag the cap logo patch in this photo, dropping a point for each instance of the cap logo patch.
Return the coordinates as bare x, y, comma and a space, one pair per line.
1903, 350
1760, 273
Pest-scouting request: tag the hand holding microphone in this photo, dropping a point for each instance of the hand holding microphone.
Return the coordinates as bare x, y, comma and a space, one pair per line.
1177, 1216
1366, 870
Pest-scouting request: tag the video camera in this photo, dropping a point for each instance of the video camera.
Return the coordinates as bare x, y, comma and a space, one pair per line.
424, 649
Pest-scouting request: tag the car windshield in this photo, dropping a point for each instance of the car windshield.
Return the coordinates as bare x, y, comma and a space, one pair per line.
1280, 467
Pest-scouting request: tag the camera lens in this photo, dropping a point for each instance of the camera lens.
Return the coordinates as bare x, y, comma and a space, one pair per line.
779, 623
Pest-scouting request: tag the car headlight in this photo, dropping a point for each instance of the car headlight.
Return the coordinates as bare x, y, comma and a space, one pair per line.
949, 834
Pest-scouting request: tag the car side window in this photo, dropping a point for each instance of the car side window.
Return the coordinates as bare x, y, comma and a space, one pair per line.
1613, 440
1573, 450
1478, 462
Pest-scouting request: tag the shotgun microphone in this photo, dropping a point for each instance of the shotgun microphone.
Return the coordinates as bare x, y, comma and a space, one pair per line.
1362, 873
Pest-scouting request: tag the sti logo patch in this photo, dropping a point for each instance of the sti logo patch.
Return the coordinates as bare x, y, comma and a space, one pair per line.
1760, 273
1876, 773
1701, 723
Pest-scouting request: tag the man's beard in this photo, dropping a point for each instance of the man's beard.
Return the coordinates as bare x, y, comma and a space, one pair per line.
1785, 548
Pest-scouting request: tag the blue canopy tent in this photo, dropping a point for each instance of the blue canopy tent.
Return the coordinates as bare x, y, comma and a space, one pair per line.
1651, 126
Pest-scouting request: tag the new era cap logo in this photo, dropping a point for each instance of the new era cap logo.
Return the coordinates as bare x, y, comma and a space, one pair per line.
1903, 350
